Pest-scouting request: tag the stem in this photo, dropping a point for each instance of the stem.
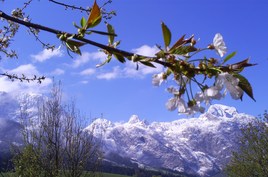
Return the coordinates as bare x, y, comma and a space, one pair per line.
70, 6
200, 50
77, 37
190, 85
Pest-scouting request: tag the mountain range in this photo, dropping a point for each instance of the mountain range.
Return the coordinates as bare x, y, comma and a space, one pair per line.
196, 146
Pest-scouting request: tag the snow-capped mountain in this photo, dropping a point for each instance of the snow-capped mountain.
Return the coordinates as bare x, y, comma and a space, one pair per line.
197, 146
13, 106
13, 109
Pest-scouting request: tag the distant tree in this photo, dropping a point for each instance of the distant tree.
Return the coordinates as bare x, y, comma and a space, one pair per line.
55, 144
252, 157
182, 65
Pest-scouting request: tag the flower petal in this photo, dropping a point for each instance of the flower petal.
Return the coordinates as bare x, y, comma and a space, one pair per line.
219, 44
172, 104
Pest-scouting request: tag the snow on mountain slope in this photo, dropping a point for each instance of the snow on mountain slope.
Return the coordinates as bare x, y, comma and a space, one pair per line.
11, 106
198, 146
12, 110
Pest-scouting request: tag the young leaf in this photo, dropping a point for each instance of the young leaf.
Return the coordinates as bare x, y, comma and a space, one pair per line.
166, 34
180, 42
119, 57
147, 63
101, 32
182, 50
229, 57
109, 57
83, 22
245, 85
75, 25
94, 17
110, 30
75, 43
74, 46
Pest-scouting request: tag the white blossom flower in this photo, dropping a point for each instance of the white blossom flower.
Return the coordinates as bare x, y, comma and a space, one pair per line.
26, 19
194, 109
219, 44
231, 84
158, 79
173, 90
176, 102
209, 94
182, 80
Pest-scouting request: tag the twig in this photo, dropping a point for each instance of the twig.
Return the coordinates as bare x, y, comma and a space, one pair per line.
71, 6
79, 38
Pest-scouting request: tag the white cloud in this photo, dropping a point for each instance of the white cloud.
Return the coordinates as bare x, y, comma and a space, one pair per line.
84, 82
146, 50
28, 70
87, 72
110, 75
130, 69
57, 72
86, 57
47, 54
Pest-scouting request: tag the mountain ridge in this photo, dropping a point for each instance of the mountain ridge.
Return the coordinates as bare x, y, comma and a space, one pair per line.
198, 146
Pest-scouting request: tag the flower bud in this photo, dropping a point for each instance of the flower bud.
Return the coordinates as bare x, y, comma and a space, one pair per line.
193, 41
213, 60
135, 58
211, 46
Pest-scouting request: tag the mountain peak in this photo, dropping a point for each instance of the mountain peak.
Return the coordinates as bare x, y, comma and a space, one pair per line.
134, 119
198, 146
222, 111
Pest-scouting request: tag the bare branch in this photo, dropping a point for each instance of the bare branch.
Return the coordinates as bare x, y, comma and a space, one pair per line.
71, 6
79, 38
22, 78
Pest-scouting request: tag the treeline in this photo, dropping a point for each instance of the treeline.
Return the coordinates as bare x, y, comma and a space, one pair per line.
134, 170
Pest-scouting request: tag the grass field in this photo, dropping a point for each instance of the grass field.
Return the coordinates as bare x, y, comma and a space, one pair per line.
102, 175
113, 175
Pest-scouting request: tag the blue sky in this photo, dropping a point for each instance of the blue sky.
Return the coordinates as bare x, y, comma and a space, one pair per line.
116, 90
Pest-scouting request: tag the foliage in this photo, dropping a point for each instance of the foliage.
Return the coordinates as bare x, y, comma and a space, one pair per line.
182, 66
252, 158
27, 163
55, 143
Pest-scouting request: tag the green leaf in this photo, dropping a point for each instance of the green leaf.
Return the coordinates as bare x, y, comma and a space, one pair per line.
119, 57
74, 46
147, 63
75, 25
166, 34
229, 57
180, 42
109, 57
94, 17
76, 43
101, 32
182, 50
110, 30
245, 85
83, 22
